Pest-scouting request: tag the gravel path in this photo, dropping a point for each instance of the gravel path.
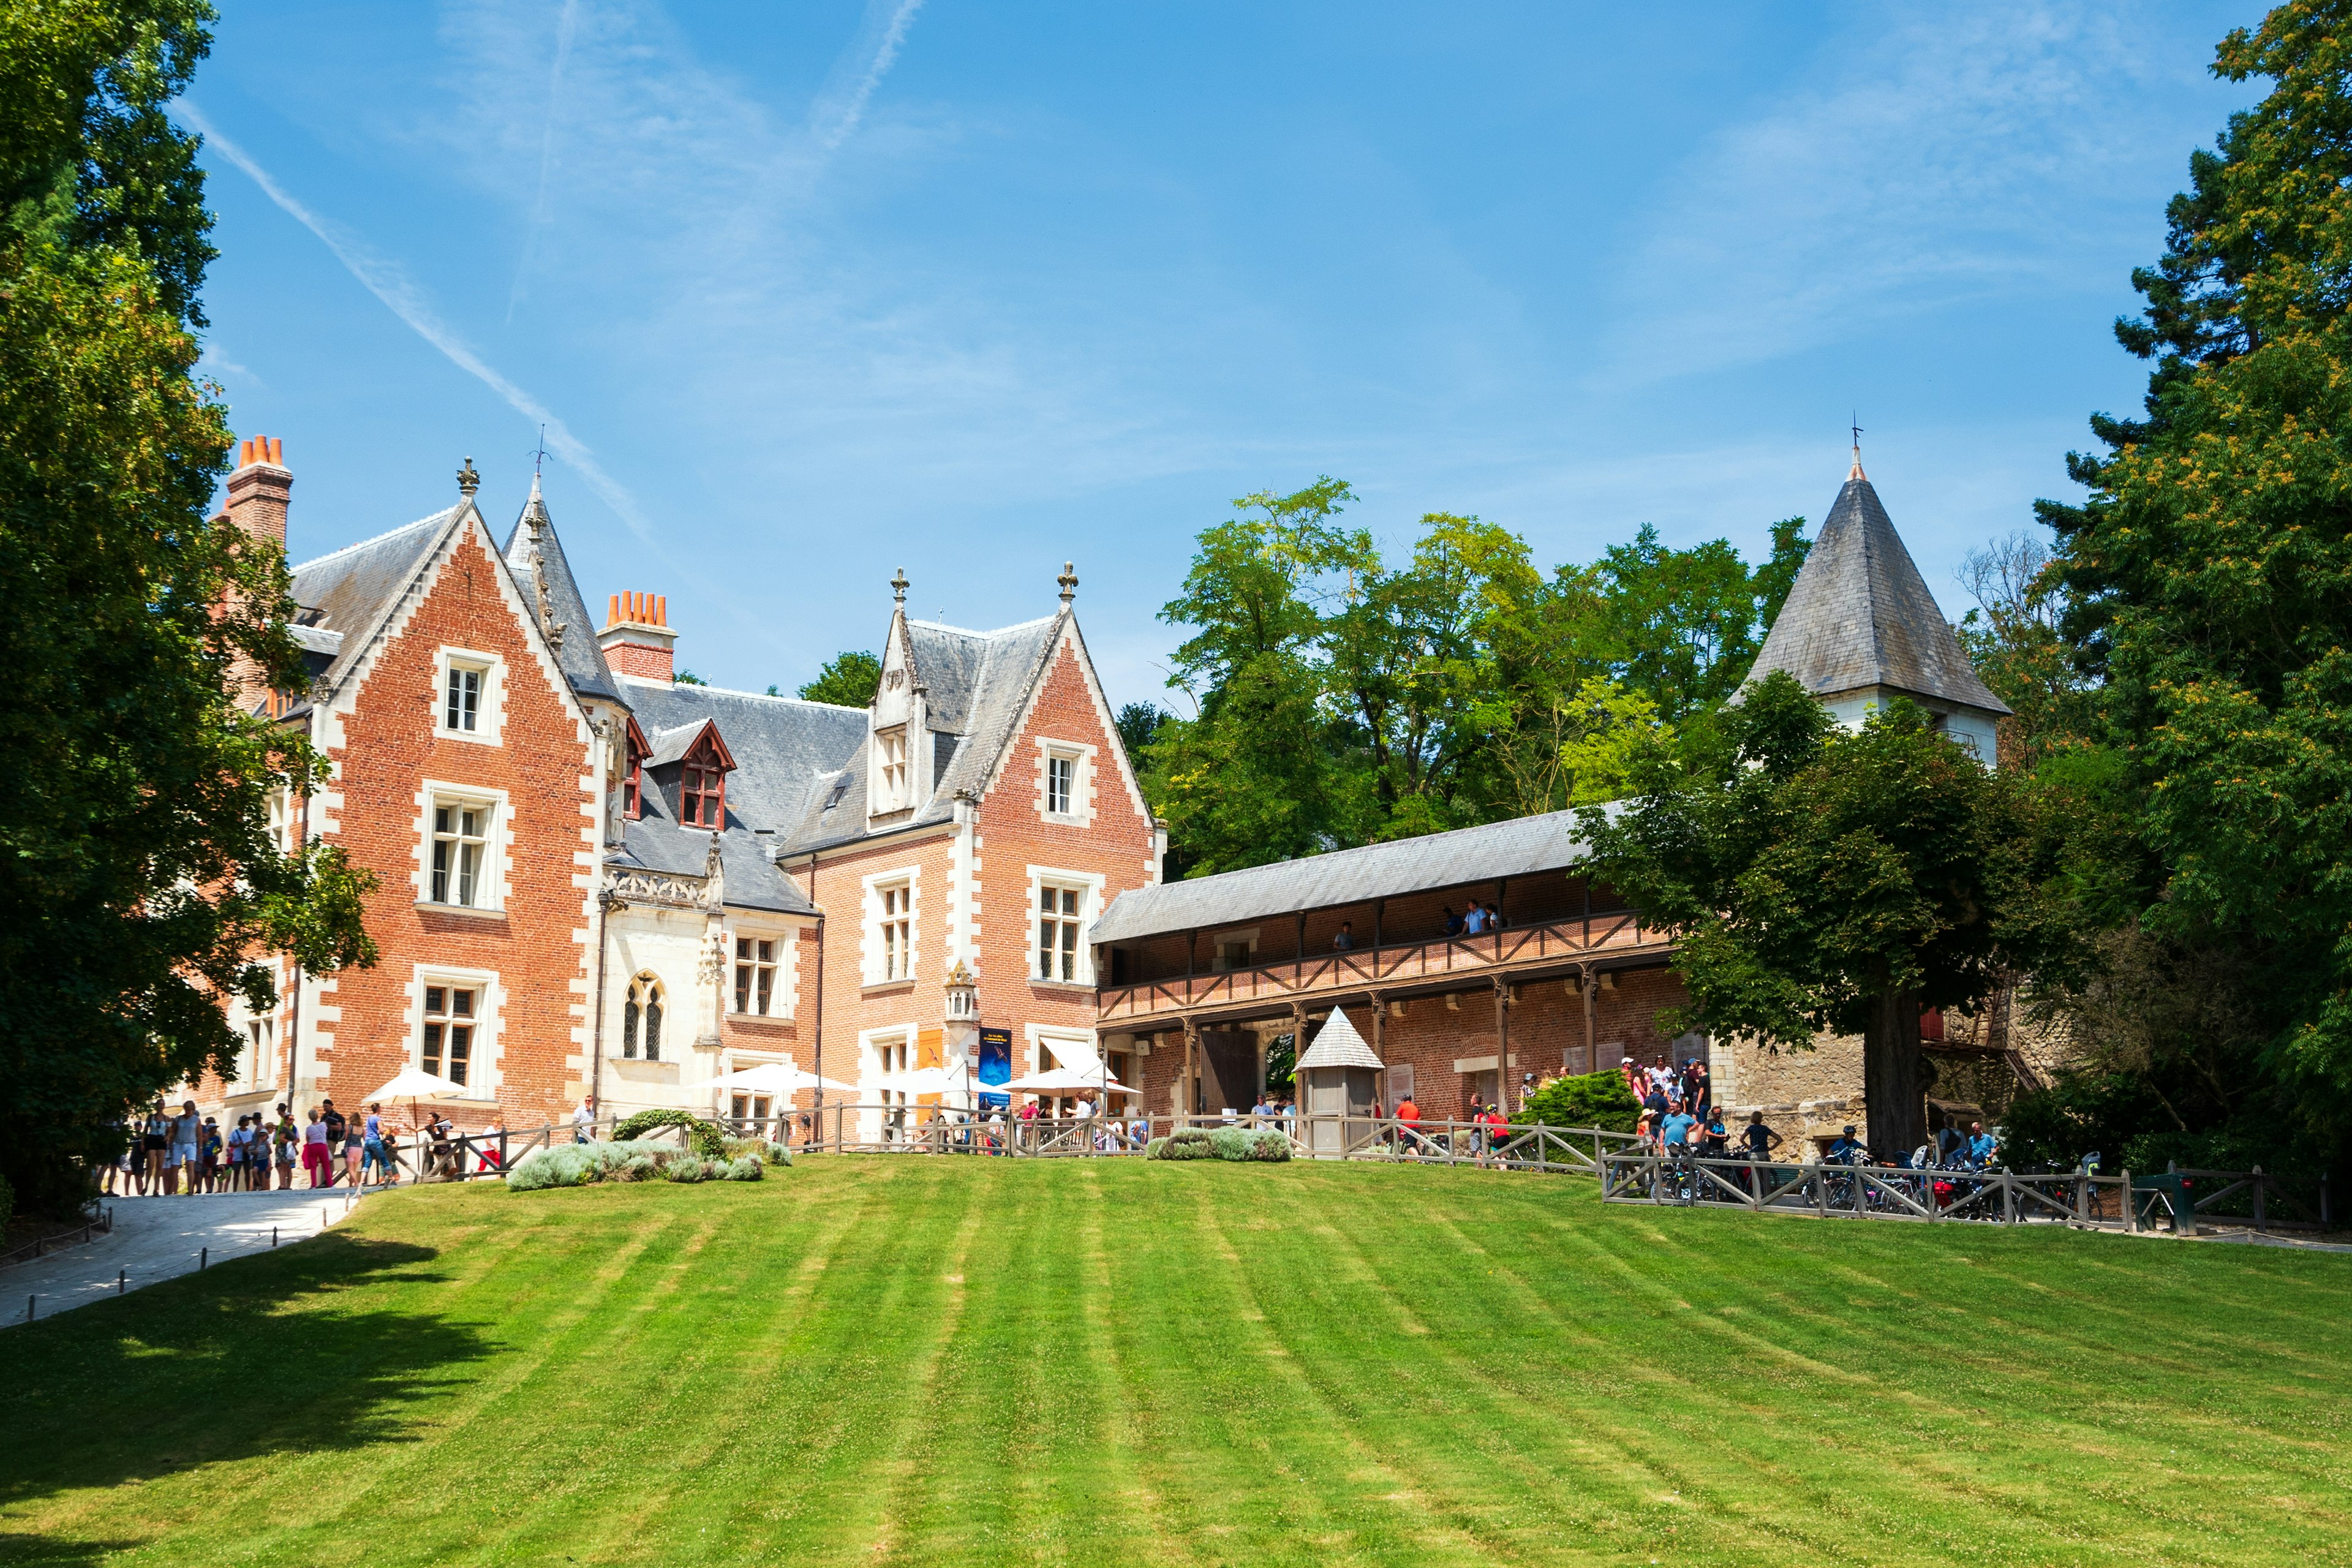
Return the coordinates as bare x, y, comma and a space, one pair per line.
156, 1239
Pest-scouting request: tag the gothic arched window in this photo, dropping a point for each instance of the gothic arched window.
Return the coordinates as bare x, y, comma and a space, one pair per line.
641, 1020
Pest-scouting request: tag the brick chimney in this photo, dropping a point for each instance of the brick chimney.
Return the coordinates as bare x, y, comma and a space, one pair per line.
637, 638
259, 488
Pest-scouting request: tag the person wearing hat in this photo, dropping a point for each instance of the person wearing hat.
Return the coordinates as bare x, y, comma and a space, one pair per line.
1845, 1150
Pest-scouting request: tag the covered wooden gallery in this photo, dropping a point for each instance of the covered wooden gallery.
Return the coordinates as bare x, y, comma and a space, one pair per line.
1198, 976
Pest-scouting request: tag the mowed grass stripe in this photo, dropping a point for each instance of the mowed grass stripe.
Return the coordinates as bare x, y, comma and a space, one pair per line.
912, 1360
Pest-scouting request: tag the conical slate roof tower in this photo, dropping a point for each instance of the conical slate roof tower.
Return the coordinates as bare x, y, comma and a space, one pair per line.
1860, 627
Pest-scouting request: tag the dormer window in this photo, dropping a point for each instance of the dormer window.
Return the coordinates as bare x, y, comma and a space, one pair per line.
702, 795
890, 768
633, 786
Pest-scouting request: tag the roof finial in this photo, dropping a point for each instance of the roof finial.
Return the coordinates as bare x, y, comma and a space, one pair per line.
1069, 581
1856, 473
469, 481
538, 457
898, 586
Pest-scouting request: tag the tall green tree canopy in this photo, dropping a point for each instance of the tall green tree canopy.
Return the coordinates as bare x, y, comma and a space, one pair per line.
2209, 575
139, 878
1343, 693
848, 681
1825, 880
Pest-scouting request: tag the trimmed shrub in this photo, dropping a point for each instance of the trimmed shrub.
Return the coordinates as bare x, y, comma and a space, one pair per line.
579, 1164
687, 1168
743, 1168
1230, 1143
1268, 1145
704, 1138
1184, 1143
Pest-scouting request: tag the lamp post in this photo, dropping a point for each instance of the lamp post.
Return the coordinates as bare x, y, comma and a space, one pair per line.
960, 1017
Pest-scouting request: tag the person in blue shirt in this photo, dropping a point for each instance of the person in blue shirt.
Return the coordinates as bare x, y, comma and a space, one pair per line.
1845, 1150
1674, 1129
1453, 921
1981, 1144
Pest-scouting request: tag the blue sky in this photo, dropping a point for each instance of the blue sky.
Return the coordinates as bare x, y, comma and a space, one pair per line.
811, 292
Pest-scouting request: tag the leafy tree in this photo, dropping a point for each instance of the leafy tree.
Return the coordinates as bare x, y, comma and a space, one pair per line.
1342, 697
2013, 637
1686, 626
1137, 723
688, 677
141, 881
2209, 575
848, 680
1597, 1100
1825, 880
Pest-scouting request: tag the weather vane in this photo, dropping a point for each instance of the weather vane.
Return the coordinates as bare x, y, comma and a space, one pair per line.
539, 453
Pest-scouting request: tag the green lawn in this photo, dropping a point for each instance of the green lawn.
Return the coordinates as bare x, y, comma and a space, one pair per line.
899, 1359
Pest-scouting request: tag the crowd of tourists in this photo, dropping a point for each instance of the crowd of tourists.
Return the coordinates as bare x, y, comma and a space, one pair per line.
187, 1154
1679, 1118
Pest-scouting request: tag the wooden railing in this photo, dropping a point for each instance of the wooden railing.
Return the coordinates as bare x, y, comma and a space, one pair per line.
1395, 967
1831, 1190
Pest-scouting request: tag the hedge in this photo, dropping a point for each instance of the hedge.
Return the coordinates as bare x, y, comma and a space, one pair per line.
1237, 1143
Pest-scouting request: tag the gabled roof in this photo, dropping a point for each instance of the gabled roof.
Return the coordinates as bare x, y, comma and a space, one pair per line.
1338, 1045
1860, 615
672, 744
1470, 857
578, 654
350, 591
976, 686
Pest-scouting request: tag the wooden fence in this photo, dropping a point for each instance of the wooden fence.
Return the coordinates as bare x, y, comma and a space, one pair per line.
2172, 1200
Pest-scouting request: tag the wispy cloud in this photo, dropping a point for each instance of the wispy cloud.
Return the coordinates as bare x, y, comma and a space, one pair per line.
841, 107
1954, 157
400, 294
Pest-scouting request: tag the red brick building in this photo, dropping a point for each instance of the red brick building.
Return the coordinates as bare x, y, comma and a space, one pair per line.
593, 878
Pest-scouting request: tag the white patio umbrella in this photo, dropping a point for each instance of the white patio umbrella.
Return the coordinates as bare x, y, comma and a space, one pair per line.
416, 1084
777, 1077
1064, 1081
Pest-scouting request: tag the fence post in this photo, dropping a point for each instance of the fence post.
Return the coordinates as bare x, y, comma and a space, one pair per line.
1820, 1191
2007, 1197
2260, 1180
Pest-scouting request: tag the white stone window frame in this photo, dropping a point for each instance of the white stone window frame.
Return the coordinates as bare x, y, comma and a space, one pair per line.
870, 966
257, 1034
496, 844
1047, 1039
786, 998
489, 716
1082, 783
1090, 908
880, 1084
489, 1008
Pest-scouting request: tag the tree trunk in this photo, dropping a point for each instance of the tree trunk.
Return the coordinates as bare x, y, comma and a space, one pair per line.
1894, 1076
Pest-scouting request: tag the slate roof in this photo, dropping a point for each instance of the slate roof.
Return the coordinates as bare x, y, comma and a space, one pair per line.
1338, 1045
1860, 614
786, 750
582, 661
975, 686
657, 842
1524, 847
353, 589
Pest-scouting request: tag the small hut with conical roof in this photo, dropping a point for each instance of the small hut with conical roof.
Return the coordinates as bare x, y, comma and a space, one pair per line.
1340, 1087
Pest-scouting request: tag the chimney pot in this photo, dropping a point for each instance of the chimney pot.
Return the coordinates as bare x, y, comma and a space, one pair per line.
637, 642
278, 451
260, 491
